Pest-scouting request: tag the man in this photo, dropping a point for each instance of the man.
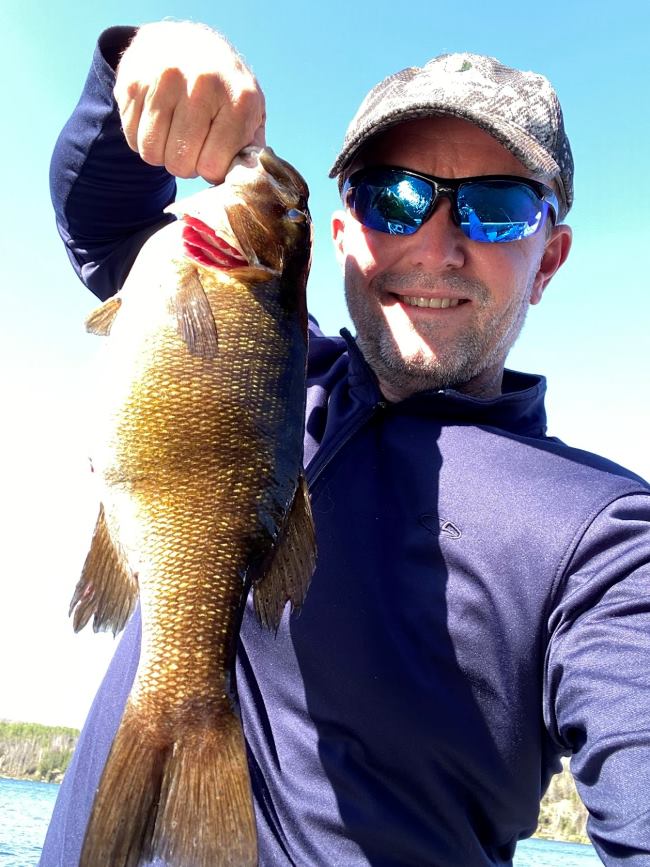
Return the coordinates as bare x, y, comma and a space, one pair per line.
480, 605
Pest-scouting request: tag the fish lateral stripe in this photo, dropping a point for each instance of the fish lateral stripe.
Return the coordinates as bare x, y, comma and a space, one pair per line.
202, 244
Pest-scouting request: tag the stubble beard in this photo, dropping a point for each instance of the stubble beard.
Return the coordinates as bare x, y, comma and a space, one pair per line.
481, 347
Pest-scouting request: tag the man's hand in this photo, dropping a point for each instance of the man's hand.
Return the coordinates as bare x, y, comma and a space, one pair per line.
187, 100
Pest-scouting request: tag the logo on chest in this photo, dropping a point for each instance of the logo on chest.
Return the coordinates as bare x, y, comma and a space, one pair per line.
440, 527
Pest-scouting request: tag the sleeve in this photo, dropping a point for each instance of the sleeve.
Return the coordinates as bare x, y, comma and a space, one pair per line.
597, 679
67, 828
107, 200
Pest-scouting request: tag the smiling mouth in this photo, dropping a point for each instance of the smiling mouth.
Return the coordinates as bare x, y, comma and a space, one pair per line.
436, 303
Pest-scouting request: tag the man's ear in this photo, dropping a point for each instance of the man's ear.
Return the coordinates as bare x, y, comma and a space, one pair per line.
554, 256
338, 230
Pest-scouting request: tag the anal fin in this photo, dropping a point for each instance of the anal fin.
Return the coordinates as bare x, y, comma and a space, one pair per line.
107, 589
287, 573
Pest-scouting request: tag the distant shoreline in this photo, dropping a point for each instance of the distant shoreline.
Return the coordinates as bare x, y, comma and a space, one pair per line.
29, 751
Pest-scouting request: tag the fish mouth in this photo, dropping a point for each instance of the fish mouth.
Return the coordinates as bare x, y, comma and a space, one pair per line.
249, 157
205, 246
246, 222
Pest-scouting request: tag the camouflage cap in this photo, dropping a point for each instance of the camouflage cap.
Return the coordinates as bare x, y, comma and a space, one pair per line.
519, 109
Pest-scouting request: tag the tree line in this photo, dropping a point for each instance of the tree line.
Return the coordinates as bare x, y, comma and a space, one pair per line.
29, 751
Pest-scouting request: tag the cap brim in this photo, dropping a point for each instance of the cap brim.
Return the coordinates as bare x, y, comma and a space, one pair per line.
526, 149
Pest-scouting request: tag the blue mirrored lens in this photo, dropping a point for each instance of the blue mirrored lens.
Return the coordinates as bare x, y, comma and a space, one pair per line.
499, 211
392, 202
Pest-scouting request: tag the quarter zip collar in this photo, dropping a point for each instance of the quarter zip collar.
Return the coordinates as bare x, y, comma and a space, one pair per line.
519, 409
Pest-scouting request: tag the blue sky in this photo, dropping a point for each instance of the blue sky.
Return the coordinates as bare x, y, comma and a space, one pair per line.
315, 63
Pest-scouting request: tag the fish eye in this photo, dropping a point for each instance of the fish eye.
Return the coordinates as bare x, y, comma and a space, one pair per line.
296, 216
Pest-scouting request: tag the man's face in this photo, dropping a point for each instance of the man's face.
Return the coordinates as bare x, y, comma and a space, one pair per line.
435, 309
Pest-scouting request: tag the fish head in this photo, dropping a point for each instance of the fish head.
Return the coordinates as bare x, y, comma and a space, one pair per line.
256, 225
272, 221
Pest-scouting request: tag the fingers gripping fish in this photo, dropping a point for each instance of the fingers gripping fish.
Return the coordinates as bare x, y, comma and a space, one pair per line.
199, 452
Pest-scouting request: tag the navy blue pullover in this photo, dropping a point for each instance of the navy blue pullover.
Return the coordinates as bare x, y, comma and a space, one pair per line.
481, 604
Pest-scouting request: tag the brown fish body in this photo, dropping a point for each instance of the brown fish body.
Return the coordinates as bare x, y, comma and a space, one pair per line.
201, 457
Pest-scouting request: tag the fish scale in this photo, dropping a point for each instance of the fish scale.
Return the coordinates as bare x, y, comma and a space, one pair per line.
202, 417
195, 525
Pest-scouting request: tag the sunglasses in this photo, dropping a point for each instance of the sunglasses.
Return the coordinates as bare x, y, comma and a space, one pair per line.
493, 209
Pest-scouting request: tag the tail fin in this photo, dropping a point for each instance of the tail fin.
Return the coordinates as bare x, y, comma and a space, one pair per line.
187, 803
205, 817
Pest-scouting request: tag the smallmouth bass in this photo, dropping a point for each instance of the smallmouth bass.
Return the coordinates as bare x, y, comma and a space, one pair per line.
199, 455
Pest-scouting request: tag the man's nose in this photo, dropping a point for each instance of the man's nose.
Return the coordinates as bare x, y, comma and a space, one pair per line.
439, 244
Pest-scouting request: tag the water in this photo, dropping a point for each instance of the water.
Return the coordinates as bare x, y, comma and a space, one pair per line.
549, 853
25, 810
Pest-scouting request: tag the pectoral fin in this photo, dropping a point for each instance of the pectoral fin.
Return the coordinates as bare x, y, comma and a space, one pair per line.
196, 323
100, 321
107, 589
287, 573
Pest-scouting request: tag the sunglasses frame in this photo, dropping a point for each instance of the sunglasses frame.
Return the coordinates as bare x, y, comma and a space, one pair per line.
448, 188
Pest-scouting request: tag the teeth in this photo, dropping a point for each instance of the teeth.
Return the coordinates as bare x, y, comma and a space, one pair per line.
414, 301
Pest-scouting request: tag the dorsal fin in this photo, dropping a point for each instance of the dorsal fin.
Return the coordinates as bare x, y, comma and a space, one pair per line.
287, 572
